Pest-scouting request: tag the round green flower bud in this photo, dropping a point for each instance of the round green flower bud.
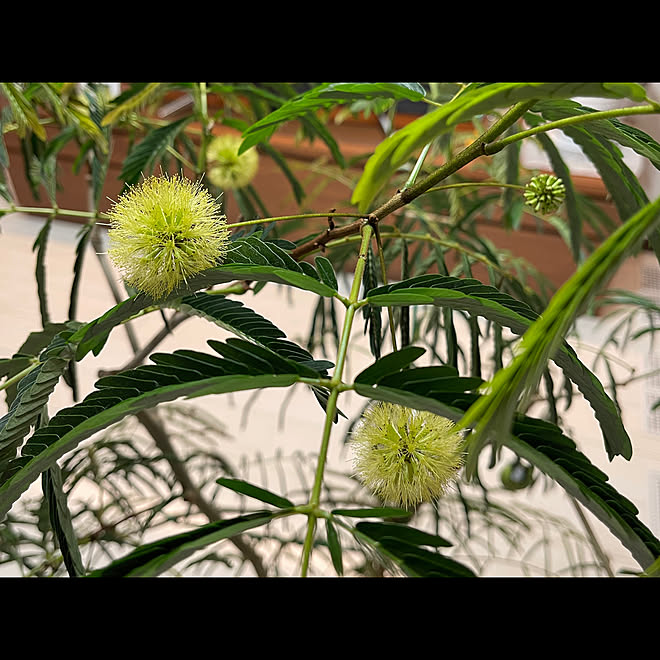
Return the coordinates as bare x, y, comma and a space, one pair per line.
225, 168
545, 193
405, 456
164, 231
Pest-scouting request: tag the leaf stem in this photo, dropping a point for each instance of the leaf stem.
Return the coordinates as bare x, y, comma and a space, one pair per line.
204, 118
336, 387
19, 376
477, 184
261, 221
54, 211
494, 147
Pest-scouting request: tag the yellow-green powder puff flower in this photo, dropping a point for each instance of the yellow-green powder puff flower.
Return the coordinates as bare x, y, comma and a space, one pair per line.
405, 456
225, 168
164, 231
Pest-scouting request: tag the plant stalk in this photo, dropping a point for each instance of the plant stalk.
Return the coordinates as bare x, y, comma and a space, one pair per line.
331, 407
570, 121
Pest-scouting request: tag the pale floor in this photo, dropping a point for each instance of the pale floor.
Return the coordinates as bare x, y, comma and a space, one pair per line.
260, 433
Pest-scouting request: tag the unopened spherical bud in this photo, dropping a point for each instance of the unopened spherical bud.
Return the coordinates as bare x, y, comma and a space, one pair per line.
545, 193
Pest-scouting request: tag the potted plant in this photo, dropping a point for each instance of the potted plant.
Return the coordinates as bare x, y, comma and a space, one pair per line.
404, 221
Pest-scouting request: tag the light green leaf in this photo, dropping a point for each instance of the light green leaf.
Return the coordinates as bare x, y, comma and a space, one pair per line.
131, 101
24, 114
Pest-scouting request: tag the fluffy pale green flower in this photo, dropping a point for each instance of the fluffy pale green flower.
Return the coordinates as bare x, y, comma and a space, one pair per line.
405, 456
545, 193
164, 231
225, 168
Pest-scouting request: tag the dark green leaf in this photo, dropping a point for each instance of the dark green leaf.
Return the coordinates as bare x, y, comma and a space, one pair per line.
145, 155
334, 544
40, 245
390, 364
479, 299
251, 490
410, 558
326, 272
60, 520
379, 531
84, 237
183, 373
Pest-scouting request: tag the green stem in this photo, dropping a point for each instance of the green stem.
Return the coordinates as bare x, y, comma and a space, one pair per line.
470, 153
204, 119
383, 274
418, 166
477, 184
182, 159
261, 221
331, 407
19, 376
54, 211
569, 121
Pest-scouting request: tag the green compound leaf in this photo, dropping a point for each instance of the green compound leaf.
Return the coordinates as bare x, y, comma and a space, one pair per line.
246, 488
235, 317
154, 558
131, 100
250, 258
144, 156
74, 341
33, 391
22, 111
403, 549
545, 446
483, 300
401, 145
184, 373
324, 96
492, 415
